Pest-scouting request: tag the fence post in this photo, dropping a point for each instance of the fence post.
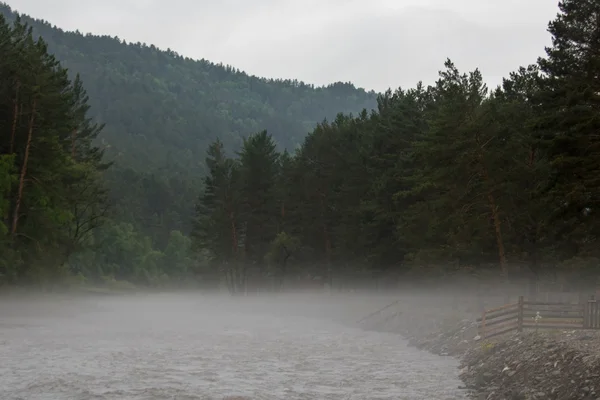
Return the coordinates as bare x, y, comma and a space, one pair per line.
594, 306
592, 313
585, 304
482, 333
520, 315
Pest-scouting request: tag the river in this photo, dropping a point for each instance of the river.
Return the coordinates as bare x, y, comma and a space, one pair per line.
208, 347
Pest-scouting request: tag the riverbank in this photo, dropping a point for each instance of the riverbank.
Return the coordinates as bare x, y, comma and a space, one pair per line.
546, 365
24, 292
560, 364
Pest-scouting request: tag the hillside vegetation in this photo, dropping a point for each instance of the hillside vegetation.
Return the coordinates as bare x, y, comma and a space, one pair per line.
160, 112
452, 176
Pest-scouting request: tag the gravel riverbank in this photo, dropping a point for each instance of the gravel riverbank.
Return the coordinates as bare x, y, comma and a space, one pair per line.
556, 365
561, 365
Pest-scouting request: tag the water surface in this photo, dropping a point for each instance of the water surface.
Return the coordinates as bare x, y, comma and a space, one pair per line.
201, 347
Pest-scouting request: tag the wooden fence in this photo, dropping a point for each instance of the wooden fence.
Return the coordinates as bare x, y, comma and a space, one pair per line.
539, 315
378, 312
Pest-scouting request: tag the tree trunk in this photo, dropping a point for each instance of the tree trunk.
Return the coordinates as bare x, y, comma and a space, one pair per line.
244, 279
13, 130
533, 237
500, 243
327, 240
533, 278
495, 215
532, 154
73, 141
328, 254
233, 269
498, 231
281, 222
496, 221
284, 268
23, 171
234, 240
230, 280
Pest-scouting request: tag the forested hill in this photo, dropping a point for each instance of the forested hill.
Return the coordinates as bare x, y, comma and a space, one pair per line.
162, 110
438, 177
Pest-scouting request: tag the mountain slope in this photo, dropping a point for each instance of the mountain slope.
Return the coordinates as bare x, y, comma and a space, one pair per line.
161, 109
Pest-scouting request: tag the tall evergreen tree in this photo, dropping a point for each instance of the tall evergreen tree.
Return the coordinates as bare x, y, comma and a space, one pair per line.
570, 97
40, 205
217, 221
259, 173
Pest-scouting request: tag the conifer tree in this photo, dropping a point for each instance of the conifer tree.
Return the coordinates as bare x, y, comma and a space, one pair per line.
570, 97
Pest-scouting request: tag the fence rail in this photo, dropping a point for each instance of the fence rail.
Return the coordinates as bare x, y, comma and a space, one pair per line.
377, 312
539, 315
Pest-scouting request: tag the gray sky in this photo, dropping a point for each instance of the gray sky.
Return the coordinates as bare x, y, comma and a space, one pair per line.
376, 44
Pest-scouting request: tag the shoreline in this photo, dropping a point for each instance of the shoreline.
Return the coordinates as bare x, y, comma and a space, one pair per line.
554, 364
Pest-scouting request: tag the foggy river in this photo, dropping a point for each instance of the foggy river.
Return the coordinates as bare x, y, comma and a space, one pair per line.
208, 347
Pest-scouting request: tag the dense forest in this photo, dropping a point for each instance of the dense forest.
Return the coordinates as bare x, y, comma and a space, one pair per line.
159, 113
433, 179
451, 175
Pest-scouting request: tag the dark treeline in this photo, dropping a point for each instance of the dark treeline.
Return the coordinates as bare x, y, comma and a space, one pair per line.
51, 192
452, 175
438, 178
58, 222
160, 112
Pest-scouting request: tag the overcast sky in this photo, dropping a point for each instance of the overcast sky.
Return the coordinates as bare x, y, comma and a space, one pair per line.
375, 44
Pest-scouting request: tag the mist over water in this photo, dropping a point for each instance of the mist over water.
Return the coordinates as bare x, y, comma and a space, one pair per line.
183, 346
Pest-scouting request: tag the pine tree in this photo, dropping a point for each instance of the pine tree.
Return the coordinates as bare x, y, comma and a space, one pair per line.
259, 173
570, 98
39, 200
217, 222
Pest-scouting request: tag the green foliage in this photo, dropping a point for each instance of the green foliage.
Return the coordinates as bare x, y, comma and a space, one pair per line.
7, 182
45, 153
568, 123
161, 110
158, 111
281, 250
54, 204
446, 175
437, 178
